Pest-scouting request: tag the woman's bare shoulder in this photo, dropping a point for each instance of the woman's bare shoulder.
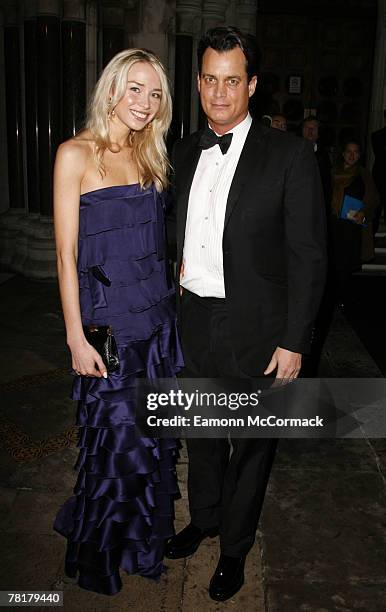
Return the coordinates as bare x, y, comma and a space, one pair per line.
77, 149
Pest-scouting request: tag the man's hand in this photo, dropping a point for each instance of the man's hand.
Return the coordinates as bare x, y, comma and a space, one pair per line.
286, 362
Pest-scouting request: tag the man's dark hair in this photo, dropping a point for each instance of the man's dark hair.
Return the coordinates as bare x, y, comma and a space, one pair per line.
309, 119
226, 39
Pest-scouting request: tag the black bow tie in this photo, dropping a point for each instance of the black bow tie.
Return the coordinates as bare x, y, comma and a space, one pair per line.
209, 139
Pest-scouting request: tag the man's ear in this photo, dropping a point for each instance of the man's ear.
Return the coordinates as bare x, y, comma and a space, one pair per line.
252, 85
198, 83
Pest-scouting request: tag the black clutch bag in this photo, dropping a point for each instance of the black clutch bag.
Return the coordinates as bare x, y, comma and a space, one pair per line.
101, 337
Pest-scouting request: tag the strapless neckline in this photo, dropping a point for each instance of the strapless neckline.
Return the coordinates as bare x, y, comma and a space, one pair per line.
110, 187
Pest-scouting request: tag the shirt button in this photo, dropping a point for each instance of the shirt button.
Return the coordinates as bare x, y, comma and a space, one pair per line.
203, 246
206, 218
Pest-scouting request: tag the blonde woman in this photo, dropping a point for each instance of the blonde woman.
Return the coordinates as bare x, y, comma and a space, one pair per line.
117, 303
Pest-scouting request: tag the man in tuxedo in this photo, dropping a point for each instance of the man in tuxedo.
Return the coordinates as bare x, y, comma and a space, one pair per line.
251, 256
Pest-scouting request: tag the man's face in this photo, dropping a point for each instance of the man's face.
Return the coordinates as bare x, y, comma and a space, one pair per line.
311, 131
279, 122
224, 88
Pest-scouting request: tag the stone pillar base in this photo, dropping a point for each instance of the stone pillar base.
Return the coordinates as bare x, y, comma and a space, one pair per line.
10, 223
41, 259
27, 245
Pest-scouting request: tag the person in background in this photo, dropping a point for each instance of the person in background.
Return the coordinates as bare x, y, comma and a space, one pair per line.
351, 235
378, 141
310, 131
279, 122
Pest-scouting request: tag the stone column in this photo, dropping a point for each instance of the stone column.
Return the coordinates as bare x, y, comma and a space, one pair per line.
378, 97
113, 32
49, 96
246, 16
18, 251
188, 19
91, 47
12, 219
40, 261
214, 13
74, 66
4, 198
13, 96
31, 104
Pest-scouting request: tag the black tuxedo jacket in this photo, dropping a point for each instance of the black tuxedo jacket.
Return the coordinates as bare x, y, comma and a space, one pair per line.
274, 253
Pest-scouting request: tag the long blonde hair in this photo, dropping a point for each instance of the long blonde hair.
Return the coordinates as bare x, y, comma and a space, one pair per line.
148, 145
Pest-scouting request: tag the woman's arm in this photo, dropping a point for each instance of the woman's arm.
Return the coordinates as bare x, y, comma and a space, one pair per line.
70, 165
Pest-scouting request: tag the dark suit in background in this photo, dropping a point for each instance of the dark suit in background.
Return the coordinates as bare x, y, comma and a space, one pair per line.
378, 141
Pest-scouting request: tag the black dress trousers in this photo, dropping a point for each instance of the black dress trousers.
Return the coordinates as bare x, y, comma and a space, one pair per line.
227, 477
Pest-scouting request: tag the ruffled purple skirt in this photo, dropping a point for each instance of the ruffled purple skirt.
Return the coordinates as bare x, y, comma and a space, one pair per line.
122, 508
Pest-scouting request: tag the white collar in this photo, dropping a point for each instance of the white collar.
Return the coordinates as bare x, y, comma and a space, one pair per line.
239, 132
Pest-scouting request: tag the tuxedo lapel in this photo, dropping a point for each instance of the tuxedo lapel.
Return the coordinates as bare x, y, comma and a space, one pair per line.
188, 168
244, 168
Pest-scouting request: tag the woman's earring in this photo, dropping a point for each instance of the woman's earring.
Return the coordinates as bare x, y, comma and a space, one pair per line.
110, 113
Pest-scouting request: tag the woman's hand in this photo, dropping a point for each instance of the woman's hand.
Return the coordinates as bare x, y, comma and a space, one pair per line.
359, 217
86, 361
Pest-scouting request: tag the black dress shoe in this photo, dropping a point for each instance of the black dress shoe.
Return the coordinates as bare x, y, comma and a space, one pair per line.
187, 541
228, 578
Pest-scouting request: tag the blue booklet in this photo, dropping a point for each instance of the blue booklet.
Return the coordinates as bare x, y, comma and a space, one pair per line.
350, 205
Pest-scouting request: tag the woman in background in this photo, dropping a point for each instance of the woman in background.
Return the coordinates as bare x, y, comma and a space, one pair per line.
352, 234
112, 270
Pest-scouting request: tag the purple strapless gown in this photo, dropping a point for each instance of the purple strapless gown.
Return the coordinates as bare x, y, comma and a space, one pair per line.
122, 507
